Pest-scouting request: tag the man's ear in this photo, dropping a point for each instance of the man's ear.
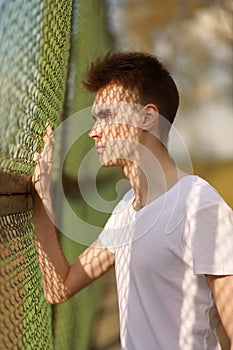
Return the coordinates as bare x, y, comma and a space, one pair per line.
150, 116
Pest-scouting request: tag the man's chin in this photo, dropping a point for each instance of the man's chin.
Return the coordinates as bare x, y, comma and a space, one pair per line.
111, 163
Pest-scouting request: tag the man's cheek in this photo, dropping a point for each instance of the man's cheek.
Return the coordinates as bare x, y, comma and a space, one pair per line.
116, 131
120, 131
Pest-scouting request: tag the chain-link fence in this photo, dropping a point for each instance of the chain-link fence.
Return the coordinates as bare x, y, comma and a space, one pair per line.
35, 58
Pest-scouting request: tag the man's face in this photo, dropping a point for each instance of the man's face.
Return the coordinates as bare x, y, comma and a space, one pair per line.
116, 132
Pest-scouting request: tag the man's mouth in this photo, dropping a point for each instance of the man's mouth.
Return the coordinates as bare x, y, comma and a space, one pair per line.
100, 149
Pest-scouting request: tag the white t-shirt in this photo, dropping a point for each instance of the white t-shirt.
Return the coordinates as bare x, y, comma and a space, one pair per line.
162, 253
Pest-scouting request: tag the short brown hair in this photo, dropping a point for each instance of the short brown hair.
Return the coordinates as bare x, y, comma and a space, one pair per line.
136, 71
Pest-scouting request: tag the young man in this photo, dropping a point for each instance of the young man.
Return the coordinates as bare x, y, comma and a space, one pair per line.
170, 237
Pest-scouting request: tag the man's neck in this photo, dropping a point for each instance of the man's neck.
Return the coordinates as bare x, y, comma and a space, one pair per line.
151, 177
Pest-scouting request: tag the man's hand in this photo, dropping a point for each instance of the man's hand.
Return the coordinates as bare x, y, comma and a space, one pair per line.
42, 175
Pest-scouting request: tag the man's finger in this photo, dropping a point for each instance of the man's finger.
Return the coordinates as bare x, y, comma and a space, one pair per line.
49, 134
49, 130
36, 157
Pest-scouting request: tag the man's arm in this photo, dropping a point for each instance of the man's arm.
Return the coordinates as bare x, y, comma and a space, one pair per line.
222, 288
61, 281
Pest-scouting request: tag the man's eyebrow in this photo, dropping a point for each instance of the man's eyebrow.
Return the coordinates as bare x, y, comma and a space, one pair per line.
98, 112
93, 109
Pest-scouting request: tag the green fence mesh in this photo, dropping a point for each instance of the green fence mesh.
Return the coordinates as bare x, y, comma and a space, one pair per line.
35, 38
34, 51
25, 319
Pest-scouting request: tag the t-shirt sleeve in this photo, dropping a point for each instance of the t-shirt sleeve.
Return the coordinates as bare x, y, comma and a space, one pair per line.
118, 227
210, 222
108, 234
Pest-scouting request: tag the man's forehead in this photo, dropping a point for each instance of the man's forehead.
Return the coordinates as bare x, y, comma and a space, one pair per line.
114, 93
117, 107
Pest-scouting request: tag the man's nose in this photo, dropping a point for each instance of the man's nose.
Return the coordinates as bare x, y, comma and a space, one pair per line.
96, 131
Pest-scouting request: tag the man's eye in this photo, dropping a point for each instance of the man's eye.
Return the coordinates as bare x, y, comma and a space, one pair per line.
107, 114
104, 115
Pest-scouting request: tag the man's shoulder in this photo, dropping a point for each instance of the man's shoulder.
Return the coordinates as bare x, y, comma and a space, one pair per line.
204, 190
203, 195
